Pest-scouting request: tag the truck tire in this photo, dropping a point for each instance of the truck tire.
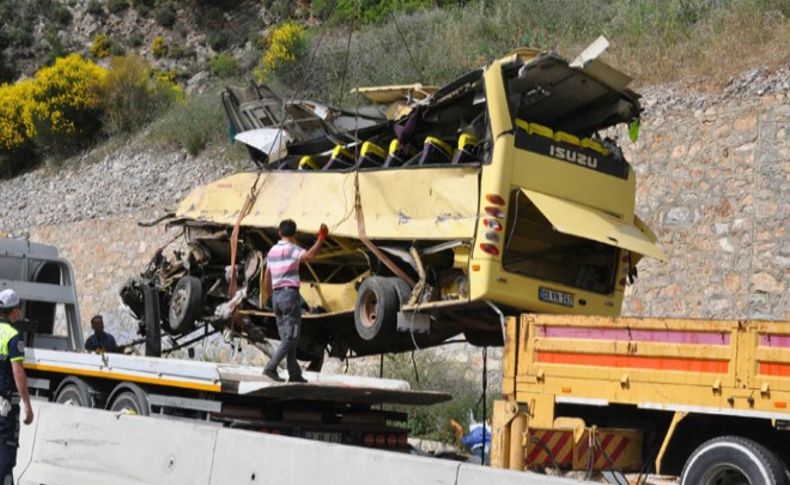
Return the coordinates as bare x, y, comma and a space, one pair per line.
376, 310
153, 324
733, 460
130, 399
185, 305
75, 392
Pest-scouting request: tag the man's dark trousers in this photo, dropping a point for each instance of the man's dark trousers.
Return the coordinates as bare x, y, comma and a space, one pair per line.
9, 442
287, 304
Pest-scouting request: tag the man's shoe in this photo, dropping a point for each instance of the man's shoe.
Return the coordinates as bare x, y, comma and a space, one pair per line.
273, 375
297, 379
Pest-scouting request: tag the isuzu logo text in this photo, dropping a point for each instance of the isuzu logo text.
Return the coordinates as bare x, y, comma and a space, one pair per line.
573, 156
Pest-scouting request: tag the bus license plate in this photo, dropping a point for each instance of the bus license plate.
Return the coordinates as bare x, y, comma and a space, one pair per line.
556, 297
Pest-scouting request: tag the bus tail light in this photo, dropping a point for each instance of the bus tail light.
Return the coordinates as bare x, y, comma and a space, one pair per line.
369, 439
489, 249
494, 212
492, 224
380, 440
495, 199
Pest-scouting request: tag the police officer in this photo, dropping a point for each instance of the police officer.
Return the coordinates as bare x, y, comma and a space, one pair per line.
100, 341
13, 384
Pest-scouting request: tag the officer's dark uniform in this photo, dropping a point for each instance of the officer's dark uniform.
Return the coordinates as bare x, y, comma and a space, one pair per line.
104, 344
12, 349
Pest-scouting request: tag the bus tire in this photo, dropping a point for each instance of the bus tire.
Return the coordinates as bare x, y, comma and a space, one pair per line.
402, 289
376, 309
481, 338
130, 398
73, 391
184, 308
732, 459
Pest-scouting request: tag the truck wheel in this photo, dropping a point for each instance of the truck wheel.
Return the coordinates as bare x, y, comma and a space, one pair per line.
185, 304
376, 311
153, 324
131, 400
74, 392
733, 460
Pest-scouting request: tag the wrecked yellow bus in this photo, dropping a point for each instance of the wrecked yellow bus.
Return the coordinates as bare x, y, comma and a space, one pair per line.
448, 208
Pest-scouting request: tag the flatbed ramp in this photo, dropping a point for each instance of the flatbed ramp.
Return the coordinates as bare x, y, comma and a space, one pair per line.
68, 445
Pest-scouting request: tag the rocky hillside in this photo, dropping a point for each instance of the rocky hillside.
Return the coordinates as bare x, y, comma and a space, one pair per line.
36, 31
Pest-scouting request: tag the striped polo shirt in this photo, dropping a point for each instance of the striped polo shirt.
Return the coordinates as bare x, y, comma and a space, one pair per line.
283, 262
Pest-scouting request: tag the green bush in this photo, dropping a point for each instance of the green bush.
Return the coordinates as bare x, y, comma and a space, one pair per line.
134, 94
217, 40
116, 50
117, 6
165, 15
374, 11
20, 36
61, 15
136, 39
279, 8
224, 66
193, 125
438, 370
95, 8
56, 48
7, 71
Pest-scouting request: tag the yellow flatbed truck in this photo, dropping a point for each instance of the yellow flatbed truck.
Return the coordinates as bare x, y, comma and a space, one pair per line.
706, 400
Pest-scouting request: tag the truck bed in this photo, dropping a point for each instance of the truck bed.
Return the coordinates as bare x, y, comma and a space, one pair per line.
735, 367
225, 378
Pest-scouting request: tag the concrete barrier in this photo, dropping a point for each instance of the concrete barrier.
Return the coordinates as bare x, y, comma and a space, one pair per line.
70, 446
77, 446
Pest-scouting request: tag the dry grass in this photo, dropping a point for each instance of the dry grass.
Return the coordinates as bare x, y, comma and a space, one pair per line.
653, 41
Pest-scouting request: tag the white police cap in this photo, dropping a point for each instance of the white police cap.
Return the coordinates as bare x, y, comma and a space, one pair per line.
8, 299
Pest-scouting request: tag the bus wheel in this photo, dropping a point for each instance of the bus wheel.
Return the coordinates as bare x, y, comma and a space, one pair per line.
480, 338
130, 399
74, 392
376, 311
185, 304
732, 460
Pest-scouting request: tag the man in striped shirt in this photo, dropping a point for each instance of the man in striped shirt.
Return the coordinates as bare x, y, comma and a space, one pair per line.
282, 283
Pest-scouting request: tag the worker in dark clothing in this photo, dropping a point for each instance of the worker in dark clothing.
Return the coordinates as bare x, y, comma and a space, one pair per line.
13, 384
100, 341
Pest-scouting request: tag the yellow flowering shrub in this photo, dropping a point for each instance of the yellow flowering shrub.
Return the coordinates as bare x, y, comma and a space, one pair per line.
66, 97
285, 45
158, 47
100, 46
55, 109
64, 106
14, 101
